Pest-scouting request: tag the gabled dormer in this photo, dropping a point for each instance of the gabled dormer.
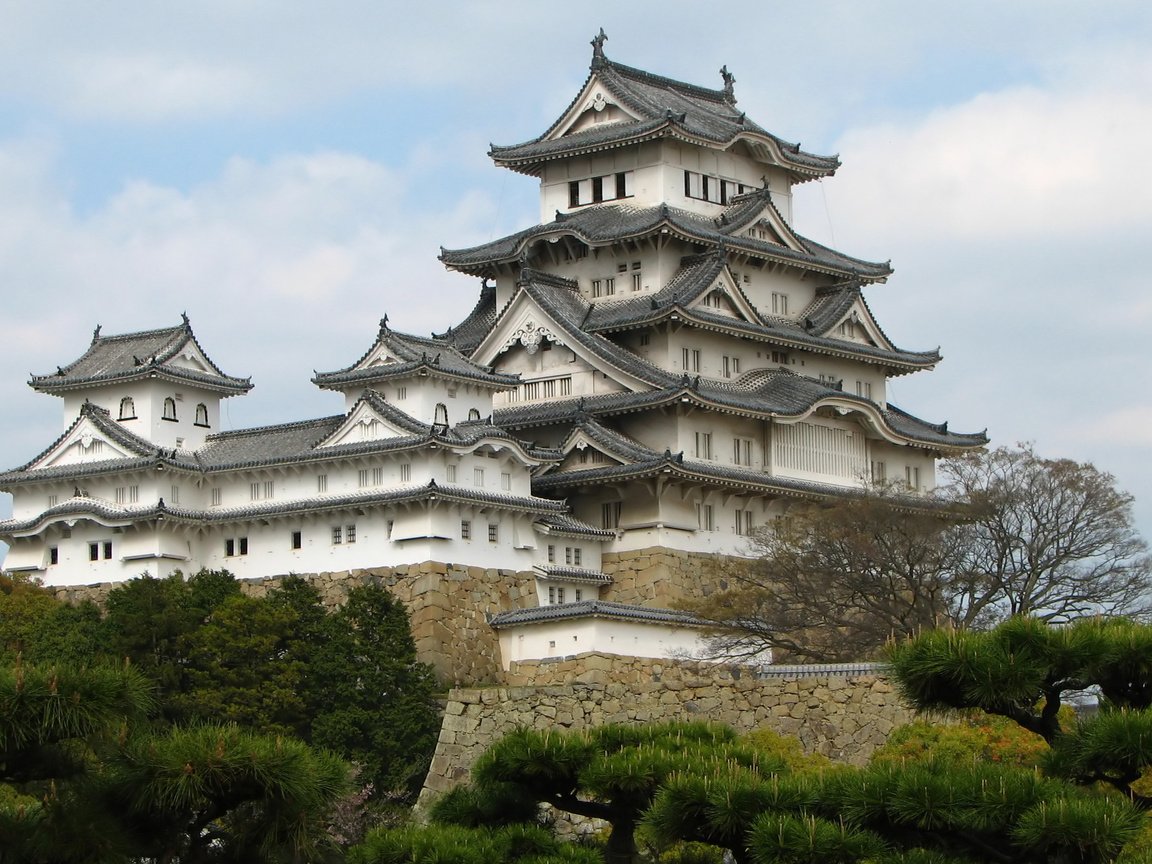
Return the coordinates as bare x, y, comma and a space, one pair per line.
425, 378
159, 385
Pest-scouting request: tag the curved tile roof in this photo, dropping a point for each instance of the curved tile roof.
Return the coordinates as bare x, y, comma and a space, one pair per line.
80, 506
601, 224
471, 331
131, 356
662, 107
567, 525
594, 609
573, 574
415, 355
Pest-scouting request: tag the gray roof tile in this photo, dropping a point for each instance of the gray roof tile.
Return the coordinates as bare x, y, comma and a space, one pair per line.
664, 107
131, 356
593, 609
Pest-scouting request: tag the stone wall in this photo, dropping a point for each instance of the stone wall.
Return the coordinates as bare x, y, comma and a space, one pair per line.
658, 576
844, 714
447, 605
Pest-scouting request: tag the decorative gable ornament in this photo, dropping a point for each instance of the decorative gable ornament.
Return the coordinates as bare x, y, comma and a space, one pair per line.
530, 335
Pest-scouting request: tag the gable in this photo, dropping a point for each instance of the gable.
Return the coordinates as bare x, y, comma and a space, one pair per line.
364, 424
595, 106
770, 227
585, 454
191, 357
86, 442
725, 298
860, 327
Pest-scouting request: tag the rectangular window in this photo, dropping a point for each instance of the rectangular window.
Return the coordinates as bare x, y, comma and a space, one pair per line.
574, 193
53, 500
912, 477
253, 491
577, 555
731, 366
549, 388
377, 476
217, 496
121, 494
297, 539
879, 471
175, 495
107, 549
493, 532
609, 286
451, 473
565, 386
477, 476
506, 481
362, 478
551, 595
93, 551
645, 339
779, 304
610, 514
465, 529
242, 545
405, 472
715, 299
53, 555
269, 490
350, 533
705, 517
568, 555
579, 595
337, 535
321, 483
560, 594
690, 359
229, 548
390, 523
703, 445
596, 288
744, 522
741, 451
551, 554
401, 393
623, 189
864, 388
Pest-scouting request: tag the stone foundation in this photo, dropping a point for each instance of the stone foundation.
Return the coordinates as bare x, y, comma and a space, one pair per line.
658, 576
844, 716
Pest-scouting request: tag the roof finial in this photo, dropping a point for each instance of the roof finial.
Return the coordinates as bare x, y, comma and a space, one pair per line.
729, 80
183, 317
383, 324
96, 333
598, 47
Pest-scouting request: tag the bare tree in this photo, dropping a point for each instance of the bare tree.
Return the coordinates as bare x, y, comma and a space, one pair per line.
1009, 532
837, 581
1052, 538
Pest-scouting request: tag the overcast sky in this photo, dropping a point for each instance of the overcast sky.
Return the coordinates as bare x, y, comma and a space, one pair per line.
286, 173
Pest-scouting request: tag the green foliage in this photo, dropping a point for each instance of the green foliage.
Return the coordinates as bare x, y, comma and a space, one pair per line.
774, 747
1080, 829
239, 669
440, 844
780, 838
370, 698
972, 737
260, 793
497, 804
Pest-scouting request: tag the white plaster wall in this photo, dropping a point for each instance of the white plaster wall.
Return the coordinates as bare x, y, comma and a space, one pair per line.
629, 638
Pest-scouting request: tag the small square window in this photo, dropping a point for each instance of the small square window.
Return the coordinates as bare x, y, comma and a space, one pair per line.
350, 533
337, 535
493, 532
107, 549
229, 547
93, 551
551, 554
465, 529
297, 540
243, 545
53, 555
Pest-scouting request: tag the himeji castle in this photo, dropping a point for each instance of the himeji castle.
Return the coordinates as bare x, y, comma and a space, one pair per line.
661, 367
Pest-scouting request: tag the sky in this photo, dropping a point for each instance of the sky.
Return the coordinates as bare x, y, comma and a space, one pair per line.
285, 173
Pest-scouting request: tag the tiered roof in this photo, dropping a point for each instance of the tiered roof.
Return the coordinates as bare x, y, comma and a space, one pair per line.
136, 356
605, 224
658, 107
